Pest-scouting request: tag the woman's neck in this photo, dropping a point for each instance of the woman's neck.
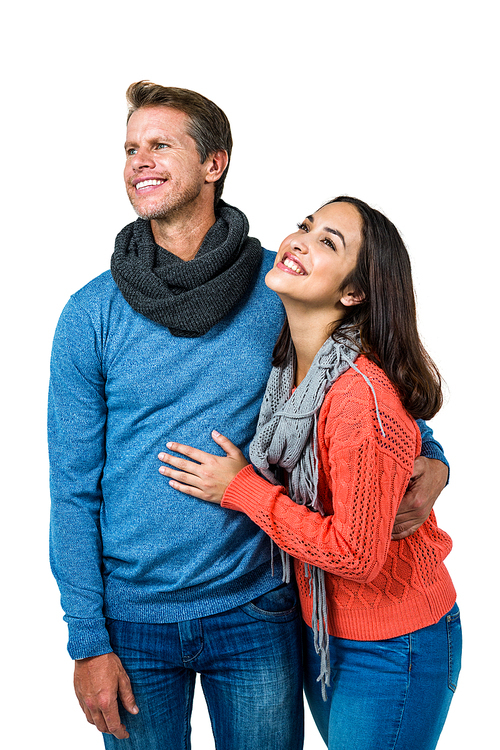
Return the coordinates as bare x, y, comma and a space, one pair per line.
308, 333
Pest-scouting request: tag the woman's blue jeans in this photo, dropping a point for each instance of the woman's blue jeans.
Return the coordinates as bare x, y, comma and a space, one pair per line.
386, 695
250, 662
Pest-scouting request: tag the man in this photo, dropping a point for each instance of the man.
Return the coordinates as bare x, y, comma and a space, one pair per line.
174, 342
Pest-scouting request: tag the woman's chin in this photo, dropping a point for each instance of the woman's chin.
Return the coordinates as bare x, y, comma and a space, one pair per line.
270, 279
277, 280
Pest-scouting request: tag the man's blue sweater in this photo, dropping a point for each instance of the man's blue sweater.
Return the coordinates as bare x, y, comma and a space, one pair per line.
124, 544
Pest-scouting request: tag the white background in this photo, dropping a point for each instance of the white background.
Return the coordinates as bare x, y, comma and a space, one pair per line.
394, 102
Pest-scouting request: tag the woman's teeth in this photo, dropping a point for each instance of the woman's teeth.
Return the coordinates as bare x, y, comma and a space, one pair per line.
293, 266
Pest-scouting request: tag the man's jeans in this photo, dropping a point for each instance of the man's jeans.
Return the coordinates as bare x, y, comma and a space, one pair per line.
250, 663
388, 695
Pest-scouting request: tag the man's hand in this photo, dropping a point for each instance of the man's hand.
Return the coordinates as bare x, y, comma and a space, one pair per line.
99, 680
428, 479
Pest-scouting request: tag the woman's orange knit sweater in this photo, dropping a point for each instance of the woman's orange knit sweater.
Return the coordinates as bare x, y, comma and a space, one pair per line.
376, 588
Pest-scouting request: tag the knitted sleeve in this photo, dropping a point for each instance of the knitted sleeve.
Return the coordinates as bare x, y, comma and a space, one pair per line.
362, 479
430, 446
76, 434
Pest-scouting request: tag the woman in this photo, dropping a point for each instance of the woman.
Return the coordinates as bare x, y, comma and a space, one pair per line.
337, 428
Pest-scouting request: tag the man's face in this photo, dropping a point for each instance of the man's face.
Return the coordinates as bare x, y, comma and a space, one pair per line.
163, 173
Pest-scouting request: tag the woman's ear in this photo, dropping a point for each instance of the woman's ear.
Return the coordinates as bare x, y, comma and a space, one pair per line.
350, 298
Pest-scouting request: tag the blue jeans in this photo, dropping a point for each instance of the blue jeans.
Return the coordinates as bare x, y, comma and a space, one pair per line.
386, 695
250, 662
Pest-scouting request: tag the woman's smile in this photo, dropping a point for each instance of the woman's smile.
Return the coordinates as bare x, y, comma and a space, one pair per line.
322, 251
290, 264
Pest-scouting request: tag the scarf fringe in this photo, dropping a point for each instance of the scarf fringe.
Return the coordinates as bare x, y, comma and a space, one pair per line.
319, 623
286, 440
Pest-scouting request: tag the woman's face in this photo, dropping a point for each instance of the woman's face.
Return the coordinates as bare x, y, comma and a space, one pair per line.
312, 263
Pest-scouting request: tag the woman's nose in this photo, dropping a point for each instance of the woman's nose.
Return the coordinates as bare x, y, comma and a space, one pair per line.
299, 244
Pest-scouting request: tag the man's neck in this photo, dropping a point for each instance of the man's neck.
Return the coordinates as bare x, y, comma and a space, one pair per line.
182, 234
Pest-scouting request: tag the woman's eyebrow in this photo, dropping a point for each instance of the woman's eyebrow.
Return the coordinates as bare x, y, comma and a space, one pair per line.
329, 229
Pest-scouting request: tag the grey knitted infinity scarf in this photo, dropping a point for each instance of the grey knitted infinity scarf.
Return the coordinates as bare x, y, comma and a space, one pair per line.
187, 297
287, 437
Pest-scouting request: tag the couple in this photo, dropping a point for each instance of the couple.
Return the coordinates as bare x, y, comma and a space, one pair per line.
158, 585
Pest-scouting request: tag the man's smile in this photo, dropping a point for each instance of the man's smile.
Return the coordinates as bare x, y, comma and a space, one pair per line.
142, 184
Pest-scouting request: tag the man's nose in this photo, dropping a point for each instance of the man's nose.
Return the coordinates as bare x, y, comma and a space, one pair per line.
143, 158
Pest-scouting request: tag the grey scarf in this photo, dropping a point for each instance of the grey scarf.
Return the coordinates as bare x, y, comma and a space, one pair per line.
286, 437
188, 297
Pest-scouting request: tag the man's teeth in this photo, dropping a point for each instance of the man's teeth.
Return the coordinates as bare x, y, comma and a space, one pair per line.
293, 266
148, 183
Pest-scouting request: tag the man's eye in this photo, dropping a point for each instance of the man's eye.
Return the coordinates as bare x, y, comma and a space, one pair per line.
131, 151
162, 145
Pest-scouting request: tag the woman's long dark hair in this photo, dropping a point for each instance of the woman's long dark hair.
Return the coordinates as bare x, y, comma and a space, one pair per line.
386, 318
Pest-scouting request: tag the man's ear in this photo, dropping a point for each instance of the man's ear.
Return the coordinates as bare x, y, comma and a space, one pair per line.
216, 164
349, 298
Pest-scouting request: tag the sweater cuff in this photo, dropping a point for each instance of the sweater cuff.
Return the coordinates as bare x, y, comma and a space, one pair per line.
87, 638
432, 450
248, 490
430, 447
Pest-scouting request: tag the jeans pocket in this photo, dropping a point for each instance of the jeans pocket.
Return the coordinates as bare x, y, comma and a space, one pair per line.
454, 633
278, 605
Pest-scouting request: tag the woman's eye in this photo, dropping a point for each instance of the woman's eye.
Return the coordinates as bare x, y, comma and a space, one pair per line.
303, 227
329, 243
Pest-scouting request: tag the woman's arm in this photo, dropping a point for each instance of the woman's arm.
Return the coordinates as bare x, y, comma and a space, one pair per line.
430, 476
331, 542
354, 541
367, 479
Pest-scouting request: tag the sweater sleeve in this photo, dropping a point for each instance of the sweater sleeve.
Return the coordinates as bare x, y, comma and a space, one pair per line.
367, 479
76, 435
430, 446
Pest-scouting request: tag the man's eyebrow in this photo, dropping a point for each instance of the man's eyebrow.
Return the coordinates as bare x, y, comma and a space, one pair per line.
329, 229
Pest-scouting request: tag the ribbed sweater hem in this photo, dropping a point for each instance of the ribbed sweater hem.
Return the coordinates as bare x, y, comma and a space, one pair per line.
131, 604
389, 619
89, 637
249, 493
